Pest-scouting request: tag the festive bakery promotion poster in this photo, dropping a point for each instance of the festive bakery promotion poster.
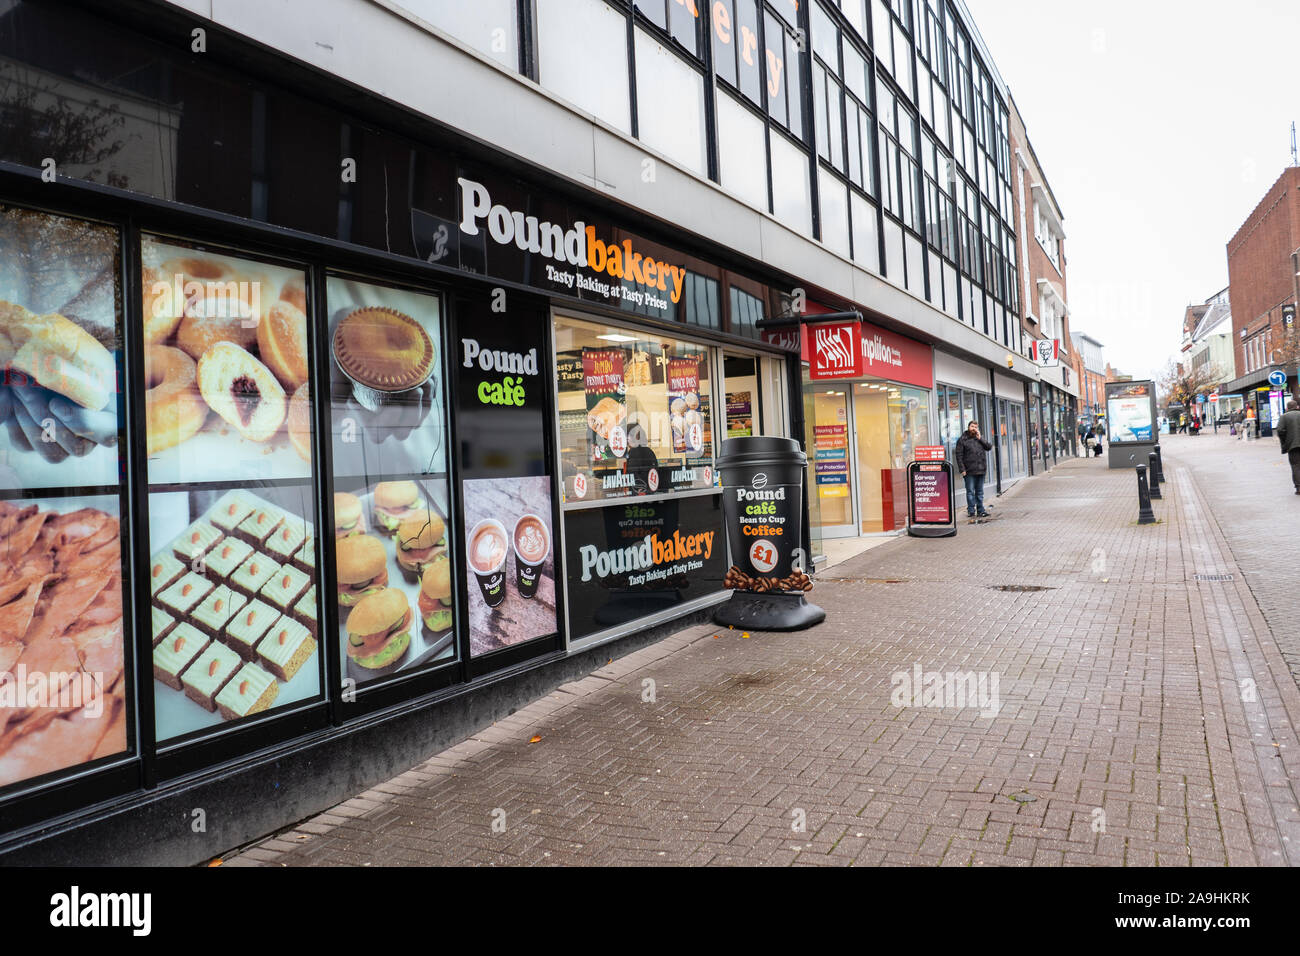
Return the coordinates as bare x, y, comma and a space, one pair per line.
59, 351
63, 686
684, 416
233, 605
386, 390
228, 368
510, 553
602, 373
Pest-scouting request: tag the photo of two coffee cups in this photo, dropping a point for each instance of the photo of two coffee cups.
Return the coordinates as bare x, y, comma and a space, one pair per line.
490, 546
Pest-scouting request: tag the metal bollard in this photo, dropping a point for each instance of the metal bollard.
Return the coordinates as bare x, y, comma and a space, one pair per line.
1160, 464
1155, 477
1145, 514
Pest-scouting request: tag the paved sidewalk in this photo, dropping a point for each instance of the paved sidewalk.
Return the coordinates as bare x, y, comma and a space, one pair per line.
1124, 736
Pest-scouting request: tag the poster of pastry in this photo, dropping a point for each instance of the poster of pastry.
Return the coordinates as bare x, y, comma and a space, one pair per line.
62, 672
684, 414
386, 389
395, 597
234, 605
602, 372
228, 368
511, 566
59, 351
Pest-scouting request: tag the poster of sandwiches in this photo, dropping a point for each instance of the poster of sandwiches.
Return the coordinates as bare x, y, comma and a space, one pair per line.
602, 371
227, 359
386, 389
60, 347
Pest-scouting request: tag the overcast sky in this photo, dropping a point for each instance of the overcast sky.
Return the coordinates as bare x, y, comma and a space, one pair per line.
1160, 124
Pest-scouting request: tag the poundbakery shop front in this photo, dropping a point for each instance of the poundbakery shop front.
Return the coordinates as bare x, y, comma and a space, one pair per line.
336, 472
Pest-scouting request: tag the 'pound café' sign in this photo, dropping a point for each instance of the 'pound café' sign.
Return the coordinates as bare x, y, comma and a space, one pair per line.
848, 350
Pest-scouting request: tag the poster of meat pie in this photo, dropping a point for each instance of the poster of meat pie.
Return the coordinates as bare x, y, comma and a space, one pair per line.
63, 684
227, 363
386, 389
234, 605
59, 349
395, 597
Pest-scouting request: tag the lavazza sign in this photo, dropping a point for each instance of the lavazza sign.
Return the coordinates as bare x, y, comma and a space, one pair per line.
639, 279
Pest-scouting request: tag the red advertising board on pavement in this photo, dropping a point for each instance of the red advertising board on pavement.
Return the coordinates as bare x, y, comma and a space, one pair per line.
931, 505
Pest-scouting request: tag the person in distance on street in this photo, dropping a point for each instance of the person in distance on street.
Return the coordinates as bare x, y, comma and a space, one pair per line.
1288, 433
972, 461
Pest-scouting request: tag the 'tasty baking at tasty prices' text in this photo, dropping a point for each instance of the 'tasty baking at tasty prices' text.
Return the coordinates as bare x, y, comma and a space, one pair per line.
575, 246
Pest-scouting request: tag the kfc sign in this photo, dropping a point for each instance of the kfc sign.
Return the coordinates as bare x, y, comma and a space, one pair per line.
1046, 352
835, 350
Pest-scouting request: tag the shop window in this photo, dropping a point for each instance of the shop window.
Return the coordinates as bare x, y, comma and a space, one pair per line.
635, 412
746, 312
569, 56
670, 103
489, 26
392, 512
232, 517
64, 699
742, 398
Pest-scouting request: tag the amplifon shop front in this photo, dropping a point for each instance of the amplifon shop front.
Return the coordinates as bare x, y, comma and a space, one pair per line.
867, 407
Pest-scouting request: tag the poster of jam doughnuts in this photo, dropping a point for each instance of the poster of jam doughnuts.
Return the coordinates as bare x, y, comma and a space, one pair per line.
63, 680
227, 363
510, 558
386, 389
60, 347
234, 605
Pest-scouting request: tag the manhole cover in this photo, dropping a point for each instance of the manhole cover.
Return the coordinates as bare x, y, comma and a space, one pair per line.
1020, 588
1215, 578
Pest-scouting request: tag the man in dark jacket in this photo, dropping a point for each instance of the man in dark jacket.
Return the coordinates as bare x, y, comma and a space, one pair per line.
972, 461
1288, 432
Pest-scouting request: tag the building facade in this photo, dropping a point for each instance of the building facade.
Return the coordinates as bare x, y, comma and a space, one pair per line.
1090, 374
1263, 262
1053, 412
1207, 359
482, 288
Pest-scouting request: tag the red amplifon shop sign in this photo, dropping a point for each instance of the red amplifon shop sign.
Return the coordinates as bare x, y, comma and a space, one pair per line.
841, 349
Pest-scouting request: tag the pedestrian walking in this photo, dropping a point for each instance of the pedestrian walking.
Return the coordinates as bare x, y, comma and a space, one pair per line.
972, 461
1288, 433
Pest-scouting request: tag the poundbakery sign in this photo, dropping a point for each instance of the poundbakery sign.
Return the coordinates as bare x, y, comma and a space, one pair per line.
572, 255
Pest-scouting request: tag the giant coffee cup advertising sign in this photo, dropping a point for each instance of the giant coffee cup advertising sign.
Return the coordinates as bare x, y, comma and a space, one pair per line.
762, 494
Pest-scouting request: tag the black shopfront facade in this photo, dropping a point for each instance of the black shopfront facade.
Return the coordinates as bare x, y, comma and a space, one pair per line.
328, 439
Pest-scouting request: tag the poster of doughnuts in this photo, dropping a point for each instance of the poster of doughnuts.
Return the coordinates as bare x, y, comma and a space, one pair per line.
59, 351
63, 682
386, 390
511, 563
234, 605
226, 358
684, 417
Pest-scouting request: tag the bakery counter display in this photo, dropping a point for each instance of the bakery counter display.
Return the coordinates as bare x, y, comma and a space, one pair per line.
227, 367
385, 380
393, 566
232, 581
62, 675
59, 339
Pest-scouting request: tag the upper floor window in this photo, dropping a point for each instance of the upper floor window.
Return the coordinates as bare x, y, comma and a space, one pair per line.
489, 26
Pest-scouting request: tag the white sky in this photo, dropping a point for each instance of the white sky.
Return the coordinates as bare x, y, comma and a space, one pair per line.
1160, 124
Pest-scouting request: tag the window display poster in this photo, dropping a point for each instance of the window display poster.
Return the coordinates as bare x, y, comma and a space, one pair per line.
685, 417
228, 367
831, 460
1129, 415
62, 673
632, 559
59, 350
740, 415
386, 390
602, 377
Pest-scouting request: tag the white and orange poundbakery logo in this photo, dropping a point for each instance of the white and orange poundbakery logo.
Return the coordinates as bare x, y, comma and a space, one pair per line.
577, 245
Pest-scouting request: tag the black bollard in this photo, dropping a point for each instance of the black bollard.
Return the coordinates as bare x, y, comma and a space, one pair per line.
1154, 472
1145, 514
1160, 464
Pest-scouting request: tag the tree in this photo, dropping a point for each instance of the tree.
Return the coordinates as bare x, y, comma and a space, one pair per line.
1179, 384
